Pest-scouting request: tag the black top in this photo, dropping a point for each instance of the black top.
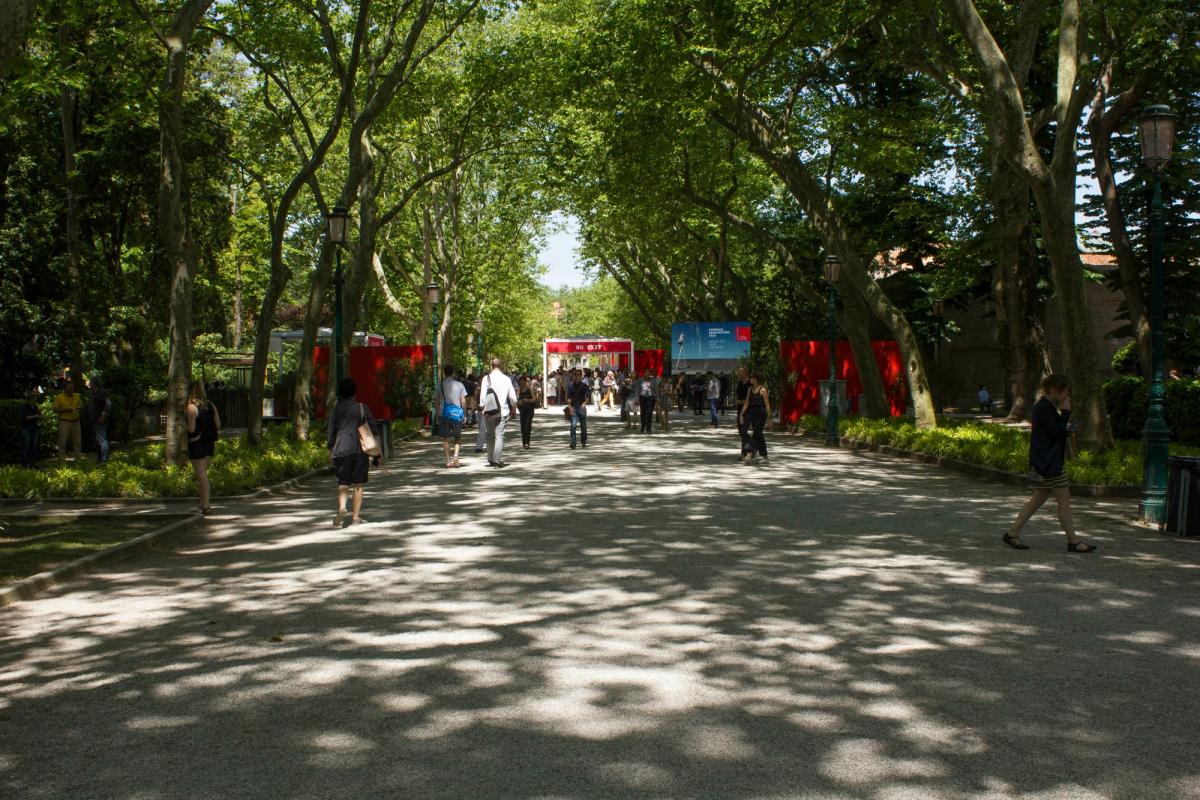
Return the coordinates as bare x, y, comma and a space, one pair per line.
97, 406
1048, 442
29, 410
757, 402
344, 419
743, 389
525, 398
578, 393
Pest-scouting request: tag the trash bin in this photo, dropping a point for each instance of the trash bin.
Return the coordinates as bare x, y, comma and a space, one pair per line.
1183, 496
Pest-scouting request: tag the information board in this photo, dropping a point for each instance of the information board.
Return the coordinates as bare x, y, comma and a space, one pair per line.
701, 346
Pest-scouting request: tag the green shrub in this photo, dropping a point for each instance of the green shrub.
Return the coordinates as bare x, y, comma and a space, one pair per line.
1000, 447
237, 468
1128, 401
10, 429
1126, 361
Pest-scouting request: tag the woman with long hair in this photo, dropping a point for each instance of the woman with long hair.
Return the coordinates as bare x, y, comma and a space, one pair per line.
756, 412
1047, 464
203, 428
610, 383
350, 463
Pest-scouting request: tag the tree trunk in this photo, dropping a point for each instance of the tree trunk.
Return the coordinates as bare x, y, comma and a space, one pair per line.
174, 235
69, 109
14, 25
280, 275
1020, 312
1079, 343
302, 400
1100, 128
855, 321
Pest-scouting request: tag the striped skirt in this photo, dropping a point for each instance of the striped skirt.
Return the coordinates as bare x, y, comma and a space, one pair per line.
1060, 481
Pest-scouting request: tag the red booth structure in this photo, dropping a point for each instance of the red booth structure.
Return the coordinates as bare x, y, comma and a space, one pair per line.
619, 351
366, 367
653, 360
804, 365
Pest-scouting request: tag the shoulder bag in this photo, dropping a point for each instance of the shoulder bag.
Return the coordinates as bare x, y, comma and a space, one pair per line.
366, 436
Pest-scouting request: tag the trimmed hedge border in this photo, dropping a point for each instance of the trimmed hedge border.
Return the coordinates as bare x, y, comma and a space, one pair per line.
30, 587
974, 470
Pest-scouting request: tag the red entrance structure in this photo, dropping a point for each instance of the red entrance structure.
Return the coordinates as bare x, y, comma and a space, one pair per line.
617, 353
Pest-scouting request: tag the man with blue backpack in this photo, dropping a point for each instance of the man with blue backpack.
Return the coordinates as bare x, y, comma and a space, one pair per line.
452, 401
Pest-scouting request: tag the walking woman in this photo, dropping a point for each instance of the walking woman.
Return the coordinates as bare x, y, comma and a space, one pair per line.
756, 411
681, 391
1047, 469
203, 428
610, 384
527, 401
350, 463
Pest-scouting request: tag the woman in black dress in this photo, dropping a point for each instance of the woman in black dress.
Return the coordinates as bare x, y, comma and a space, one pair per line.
1047, 459
527, 402
756, 412
203, 427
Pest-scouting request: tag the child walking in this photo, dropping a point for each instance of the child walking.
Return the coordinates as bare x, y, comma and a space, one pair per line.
1047, 471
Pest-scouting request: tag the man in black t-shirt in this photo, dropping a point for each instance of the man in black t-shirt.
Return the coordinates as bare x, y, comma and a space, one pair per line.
578, 392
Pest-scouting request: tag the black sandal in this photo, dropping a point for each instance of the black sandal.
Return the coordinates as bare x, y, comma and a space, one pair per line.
1080, 547
1015, 542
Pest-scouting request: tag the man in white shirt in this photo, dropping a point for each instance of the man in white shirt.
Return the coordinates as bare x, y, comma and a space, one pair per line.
498, 399
714, 397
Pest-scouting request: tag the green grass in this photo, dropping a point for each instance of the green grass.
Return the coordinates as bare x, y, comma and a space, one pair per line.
35, 544
237, 468
995, 446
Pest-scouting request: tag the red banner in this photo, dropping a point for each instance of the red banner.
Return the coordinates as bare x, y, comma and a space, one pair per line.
366, 366
653, 360
805, 364
590, 346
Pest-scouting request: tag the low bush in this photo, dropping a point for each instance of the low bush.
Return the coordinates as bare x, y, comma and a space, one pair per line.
237, 468
995, 446
1128, 401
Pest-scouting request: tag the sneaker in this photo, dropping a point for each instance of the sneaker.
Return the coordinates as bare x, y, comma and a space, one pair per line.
340, 518
766, 462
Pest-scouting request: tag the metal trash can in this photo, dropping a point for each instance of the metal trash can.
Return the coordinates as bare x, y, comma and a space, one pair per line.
1183, 496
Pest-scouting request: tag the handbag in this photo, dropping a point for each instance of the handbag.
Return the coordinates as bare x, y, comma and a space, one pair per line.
366, 437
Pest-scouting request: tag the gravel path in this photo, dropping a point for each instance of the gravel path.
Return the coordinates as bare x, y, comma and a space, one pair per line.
641, 619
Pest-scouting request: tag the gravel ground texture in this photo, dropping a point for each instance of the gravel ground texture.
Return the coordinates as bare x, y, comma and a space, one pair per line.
645, 618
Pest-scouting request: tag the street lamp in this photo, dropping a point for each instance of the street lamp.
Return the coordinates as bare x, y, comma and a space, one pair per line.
1156, 130
433, 293
336, 224
833, 270
478, 345
939, 311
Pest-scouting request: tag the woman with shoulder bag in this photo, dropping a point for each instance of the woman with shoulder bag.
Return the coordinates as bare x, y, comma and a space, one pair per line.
203, 429
350, 461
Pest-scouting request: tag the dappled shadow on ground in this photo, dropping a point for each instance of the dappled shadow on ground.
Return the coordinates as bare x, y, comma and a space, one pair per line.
644, 618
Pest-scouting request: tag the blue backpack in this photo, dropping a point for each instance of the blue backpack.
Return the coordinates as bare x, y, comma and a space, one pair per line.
451, 412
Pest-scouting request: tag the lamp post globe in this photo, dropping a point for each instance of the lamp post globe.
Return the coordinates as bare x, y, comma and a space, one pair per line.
1156, 134
833, 271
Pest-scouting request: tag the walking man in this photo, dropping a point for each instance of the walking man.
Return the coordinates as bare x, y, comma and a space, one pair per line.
67, 407
714, 397
451, 400
578, 392
647, 391
498, 399
98, 409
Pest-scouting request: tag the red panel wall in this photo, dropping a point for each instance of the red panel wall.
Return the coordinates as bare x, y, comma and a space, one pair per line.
805, 364
653, 360
364, 366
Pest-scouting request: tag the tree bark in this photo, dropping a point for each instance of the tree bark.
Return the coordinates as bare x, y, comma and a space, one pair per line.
69, 112
302, 399
1053, 186
14, 25
174, 231
1020, 311
1101, 124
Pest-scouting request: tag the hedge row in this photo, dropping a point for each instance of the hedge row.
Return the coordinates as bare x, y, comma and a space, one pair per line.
237, 468
1128, 401
995, 446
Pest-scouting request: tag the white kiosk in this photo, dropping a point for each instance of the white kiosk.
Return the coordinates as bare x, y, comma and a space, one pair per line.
586, 352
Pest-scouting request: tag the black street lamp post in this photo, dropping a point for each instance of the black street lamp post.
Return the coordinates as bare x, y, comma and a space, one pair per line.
478, 345
1156, 130
336, 224
833, 269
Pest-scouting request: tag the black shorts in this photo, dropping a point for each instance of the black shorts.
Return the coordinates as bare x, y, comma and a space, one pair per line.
198, 450
351, 470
